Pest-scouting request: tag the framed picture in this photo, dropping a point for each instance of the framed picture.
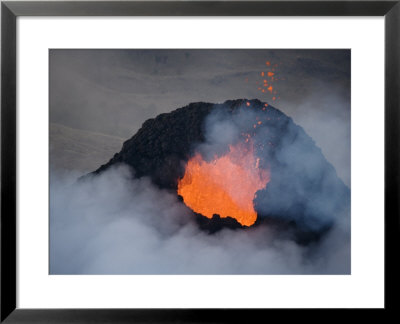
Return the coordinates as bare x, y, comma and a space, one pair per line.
198, 161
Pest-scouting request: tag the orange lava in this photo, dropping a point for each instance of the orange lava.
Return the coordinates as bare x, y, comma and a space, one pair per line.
226, 185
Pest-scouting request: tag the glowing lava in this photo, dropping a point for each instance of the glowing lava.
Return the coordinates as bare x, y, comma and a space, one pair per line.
226, 185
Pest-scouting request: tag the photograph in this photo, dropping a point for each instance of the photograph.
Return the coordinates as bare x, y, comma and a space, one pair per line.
200, 161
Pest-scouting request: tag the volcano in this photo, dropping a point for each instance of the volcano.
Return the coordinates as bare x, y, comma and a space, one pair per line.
239, 164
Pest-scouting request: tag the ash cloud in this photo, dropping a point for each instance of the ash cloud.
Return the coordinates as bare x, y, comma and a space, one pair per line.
114, 223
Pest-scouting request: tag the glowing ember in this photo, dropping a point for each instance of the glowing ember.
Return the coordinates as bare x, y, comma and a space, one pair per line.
268, 80
225, 186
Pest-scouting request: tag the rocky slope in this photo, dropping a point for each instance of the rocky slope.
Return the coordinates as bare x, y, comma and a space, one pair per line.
304, 196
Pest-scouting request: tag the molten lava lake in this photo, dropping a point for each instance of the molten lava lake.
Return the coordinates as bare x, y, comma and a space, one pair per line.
226, 185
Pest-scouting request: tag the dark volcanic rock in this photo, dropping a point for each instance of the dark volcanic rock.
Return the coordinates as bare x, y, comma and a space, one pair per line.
304, 195
161, 145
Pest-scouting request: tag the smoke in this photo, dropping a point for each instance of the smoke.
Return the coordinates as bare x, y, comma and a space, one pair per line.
325, 116
114, 223
304, 187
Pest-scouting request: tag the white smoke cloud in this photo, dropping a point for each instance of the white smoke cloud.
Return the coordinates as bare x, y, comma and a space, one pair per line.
115, 224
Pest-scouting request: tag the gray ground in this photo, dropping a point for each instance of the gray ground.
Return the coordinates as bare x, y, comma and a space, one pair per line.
99, 98
74, 149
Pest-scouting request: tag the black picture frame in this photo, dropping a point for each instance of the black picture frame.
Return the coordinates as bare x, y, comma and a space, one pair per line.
11, 10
